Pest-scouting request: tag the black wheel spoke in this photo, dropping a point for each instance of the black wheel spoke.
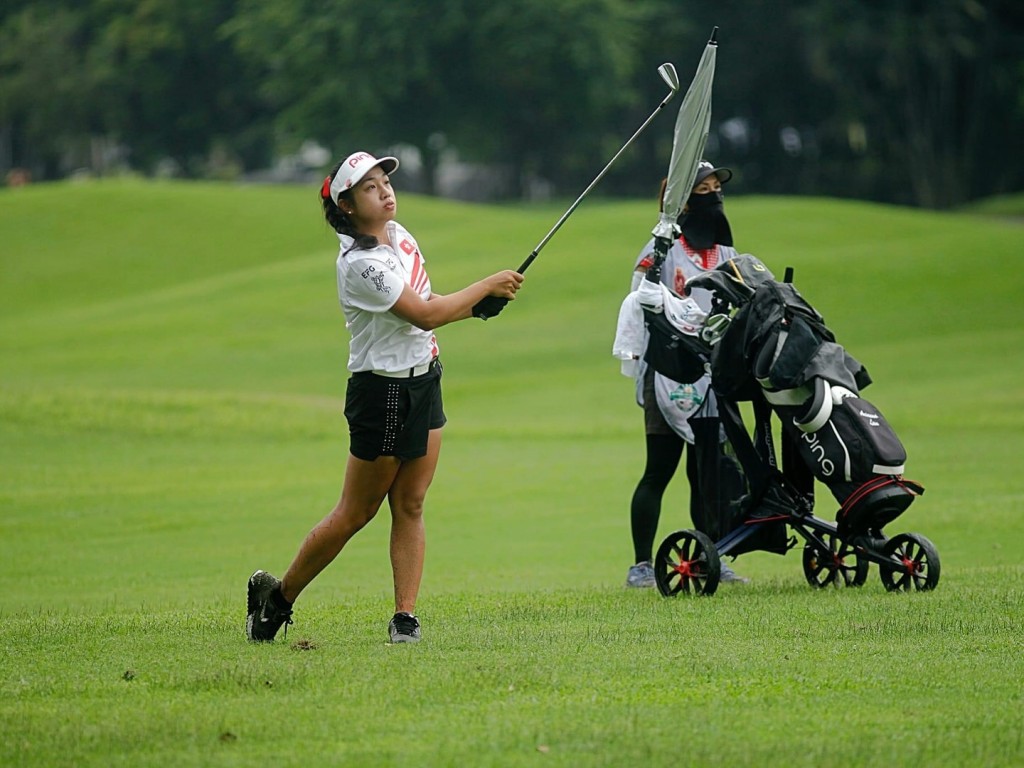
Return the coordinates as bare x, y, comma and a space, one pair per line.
686, 549
848, 573
825, 563
685, 562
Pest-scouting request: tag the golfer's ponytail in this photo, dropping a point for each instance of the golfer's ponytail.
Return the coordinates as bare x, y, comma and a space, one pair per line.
337, 218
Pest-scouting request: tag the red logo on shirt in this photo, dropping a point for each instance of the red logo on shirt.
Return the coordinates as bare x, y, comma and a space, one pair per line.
406, 246
679, 285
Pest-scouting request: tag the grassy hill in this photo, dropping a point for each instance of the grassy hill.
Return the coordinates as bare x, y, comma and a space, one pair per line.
201, 320
172, 372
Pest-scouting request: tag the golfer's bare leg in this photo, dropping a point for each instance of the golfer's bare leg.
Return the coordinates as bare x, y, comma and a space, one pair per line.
366, 485
408, 540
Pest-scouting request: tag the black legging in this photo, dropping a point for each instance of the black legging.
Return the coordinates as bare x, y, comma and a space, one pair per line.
663, 454
715, 482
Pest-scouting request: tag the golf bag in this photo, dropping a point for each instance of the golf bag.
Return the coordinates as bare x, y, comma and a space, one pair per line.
777, 352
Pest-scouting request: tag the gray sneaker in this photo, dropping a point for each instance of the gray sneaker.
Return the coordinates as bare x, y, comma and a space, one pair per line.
729, 576
641, 575
404, 628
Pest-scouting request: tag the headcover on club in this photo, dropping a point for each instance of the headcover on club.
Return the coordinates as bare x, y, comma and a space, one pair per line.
734, 280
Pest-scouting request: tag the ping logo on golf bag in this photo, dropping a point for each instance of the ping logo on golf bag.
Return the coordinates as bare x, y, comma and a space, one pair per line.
817, 452
854, 445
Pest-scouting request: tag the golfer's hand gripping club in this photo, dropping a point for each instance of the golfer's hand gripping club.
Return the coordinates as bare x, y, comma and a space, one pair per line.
489, 306
502, 288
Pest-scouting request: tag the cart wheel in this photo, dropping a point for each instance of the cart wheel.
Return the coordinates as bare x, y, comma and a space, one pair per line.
687, 561
913, 563
838, 566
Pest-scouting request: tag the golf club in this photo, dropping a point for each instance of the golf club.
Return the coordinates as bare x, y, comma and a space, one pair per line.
490, 305
668, 74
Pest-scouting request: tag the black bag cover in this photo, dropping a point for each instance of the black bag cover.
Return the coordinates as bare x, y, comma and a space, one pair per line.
747, 350
875, 503
717, 484
671, 352
733, 281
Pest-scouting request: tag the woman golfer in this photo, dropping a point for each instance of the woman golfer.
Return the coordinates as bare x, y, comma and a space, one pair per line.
393, 400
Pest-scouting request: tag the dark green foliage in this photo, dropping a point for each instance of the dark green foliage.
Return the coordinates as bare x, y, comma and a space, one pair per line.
905, 102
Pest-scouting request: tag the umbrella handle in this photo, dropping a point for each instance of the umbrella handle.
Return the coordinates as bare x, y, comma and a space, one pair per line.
714, 37
661, 246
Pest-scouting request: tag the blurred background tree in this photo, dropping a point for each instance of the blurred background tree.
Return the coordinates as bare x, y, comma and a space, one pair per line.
904, 101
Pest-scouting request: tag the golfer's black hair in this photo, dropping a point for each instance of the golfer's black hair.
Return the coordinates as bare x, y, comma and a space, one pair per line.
336, 217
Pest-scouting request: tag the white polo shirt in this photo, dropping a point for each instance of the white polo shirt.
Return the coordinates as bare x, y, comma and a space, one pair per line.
369, 284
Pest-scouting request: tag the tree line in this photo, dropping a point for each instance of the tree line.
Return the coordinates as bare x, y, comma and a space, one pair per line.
916, 102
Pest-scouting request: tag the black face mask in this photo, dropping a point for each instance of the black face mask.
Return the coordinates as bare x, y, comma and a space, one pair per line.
704, 223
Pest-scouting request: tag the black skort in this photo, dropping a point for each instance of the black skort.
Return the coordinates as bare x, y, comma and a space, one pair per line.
392, 417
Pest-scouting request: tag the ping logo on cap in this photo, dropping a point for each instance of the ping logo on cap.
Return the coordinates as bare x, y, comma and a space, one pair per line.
357, 159
354, 162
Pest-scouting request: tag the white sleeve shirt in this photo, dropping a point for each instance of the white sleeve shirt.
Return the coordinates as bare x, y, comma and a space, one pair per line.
369, 284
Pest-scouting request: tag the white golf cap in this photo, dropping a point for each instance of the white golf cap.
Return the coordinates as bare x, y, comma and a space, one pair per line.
354, 167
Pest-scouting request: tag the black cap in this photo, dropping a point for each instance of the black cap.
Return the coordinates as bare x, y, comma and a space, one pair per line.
705, 169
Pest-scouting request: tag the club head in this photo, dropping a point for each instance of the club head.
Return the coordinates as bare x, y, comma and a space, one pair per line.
668, 74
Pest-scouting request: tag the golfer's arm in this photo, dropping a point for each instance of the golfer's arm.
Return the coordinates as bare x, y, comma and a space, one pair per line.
439, 309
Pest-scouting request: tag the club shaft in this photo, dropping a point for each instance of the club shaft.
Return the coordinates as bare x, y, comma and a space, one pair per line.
568, 213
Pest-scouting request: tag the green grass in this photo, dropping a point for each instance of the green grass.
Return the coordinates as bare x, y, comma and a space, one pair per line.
773, 675
171, 386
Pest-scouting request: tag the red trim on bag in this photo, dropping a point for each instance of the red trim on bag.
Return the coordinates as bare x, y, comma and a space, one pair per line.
759, 520
874, 484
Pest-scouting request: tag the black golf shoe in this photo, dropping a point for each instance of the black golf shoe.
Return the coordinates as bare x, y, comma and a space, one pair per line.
267, 608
